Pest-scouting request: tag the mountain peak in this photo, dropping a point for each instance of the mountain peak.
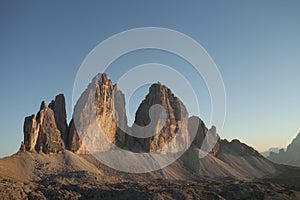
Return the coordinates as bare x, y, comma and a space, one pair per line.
43, 105
101, 78
42, 131
163, 130
159, 88
109, 104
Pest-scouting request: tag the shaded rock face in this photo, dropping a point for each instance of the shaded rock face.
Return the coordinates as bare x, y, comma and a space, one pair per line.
73, 141
41, 133
205, 139
59, 107
235, 147
173, 125
31, 131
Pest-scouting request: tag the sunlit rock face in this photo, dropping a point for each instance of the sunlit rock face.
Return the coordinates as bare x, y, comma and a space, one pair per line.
100, 122
41, 133
95, 117
162, 127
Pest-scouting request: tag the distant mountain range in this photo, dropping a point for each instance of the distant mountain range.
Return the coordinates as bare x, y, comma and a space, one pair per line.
272, 149
55, 159
290, 156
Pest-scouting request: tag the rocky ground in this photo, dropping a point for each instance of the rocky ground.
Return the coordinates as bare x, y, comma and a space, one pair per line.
69, 176
83, 185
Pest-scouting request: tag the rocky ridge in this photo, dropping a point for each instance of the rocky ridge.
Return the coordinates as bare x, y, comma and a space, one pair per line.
53, 162
101, 107
99, 121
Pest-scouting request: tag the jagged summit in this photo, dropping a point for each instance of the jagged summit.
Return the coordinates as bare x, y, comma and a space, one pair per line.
99, 121
59, 107
104, 104
176, 118
41, 133
162, 95
43, 105
101, 104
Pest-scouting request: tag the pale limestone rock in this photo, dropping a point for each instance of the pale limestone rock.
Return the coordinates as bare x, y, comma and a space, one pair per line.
95, 117
41, 133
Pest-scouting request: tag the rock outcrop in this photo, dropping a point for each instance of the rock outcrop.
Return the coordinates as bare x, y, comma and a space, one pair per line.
168, 122
59, 108
162, 124
99, 124
94, 119
102, 105
210, 156
41, 133
235, 147
205, 139
31, 131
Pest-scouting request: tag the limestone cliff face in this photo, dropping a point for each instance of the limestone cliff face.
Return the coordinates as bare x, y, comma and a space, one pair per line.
41, 133
167, 125
94, 118
100, 122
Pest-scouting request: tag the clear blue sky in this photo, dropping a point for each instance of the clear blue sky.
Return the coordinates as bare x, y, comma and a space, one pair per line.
255, 44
